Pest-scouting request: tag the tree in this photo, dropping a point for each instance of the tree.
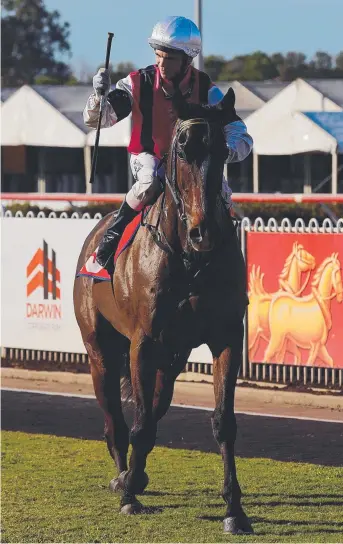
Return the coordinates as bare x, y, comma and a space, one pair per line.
294, 66
32, 38
257, 67
122, 70
322, 61
214, 65
339, 61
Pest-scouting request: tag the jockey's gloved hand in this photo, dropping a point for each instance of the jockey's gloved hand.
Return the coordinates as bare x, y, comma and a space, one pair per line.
102, 83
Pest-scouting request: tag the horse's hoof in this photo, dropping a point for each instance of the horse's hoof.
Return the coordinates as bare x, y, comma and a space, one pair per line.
131, 509
238, 525
116, 485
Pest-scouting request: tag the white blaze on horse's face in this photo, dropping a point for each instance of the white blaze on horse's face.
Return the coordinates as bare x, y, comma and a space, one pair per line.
194, 185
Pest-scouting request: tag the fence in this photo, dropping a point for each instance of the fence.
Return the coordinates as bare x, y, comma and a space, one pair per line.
39, 323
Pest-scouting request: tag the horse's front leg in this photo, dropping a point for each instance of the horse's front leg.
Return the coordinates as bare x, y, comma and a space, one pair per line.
227, 355
143, 360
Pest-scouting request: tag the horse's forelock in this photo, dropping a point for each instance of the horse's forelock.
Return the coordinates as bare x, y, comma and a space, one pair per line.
197, 111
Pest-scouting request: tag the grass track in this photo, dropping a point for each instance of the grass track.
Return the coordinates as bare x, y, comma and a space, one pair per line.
56, 490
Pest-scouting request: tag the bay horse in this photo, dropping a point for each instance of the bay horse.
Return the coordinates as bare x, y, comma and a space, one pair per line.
181, 283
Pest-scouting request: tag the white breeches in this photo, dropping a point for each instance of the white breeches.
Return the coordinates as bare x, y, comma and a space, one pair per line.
147, 184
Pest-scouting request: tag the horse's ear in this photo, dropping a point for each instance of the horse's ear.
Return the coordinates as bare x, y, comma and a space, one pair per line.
228, 102
227, 108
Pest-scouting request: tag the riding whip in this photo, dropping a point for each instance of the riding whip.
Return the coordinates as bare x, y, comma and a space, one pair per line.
102, 103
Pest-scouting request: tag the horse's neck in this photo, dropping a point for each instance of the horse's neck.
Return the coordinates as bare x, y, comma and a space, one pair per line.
325, 283
293, 278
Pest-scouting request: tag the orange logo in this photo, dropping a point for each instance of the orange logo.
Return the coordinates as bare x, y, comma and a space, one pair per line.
298, 318
46, 273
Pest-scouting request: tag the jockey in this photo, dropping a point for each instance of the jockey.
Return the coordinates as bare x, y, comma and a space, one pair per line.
146, 94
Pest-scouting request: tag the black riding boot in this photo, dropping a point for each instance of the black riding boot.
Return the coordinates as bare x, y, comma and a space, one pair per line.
109, 243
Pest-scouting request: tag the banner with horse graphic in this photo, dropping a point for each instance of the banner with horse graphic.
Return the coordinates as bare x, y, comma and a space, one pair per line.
295, 315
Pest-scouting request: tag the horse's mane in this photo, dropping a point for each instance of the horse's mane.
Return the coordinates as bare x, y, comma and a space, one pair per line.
286, 266
319, 271
222, 113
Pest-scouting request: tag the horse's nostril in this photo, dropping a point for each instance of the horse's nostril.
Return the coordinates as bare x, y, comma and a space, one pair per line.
195, 234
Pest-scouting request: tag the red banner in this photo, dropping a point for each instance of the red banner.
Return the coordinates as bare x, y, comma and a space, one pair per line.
295, 315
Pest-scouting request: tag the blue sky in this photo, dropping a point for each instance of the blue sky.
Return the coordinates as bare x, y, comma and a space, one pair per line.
229, 27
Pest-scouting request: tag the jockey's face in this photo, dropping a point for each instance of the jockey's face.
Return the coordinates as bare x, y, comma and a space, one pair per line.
169, 64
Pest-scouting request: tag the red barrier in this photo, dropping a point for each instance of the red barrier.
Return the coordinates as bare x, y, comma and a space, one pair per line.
63, 197
295, 291
116, 198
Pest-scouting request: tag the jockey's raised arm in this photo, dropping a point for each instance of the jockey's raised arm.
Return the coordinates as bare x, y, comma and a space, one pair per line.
119, 105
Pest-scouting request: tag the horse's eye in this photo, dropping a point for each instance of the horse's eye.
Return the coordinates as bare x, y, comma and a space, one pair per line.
206, 141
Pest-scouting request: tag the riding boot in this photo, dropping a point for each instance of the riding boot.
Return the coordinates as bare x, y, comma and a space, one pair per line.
109, 243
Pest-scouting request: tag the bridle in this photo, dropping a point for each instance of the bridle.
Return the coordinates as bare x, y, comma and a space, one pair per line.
177, 150
192, 265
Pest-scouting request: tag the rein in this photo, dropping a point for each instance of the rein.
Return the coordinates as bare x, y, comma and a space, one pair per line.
155, 231
172, 184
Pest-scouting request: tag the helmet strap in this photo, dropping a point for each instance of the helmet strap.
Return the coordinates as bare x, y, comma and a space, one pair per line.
186, 62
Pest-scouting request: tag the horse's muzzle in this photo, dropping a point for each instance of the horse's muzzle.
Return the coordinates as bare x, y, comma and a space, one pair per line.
199, 238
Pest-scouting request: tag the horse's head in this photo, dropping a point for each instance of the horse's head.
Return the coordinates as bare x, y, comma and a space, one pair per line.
195, 165
306, 261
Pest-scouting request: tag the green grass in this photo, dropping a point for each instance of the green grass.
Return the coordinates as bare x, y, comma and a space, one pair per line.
56, 490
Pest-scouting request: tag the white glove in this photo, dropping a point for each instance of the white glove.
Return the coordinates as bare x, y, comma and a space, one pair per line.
102, 83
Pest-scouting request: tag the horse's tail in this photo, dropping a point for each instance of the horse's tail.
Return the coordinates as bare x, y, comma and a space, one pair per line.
256, 282
126, 391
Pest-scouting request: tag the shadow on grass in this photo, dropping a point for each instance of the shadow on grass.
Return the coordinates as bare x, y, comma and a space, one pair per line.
157, 509
256, 519
313, 442
290, 496
148, 493
282, 522
295, 503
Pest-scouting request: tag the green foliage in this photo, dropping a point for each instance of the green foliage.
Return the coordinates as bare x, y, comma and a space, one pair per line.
339, 61
258, 66
55, 489
214, 66
53, 80
32, 40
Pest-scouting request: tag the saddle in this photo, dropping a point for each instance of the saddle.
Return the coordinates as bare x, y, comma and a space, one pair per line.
92, 269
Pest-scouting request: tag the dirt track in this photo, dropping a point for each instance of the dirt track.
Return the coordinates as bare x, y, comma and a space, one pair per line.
248, 399
258, 436
283, 438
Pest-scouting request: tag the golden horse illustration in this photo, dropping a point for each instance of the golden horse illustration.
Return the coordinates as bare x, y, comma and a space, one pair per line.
298, 262
306, 321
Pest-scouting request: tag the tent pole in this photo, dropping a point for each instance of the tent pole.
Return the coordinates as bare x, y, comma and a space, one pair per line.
41, 170
255, 173
334, 172
87, 157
